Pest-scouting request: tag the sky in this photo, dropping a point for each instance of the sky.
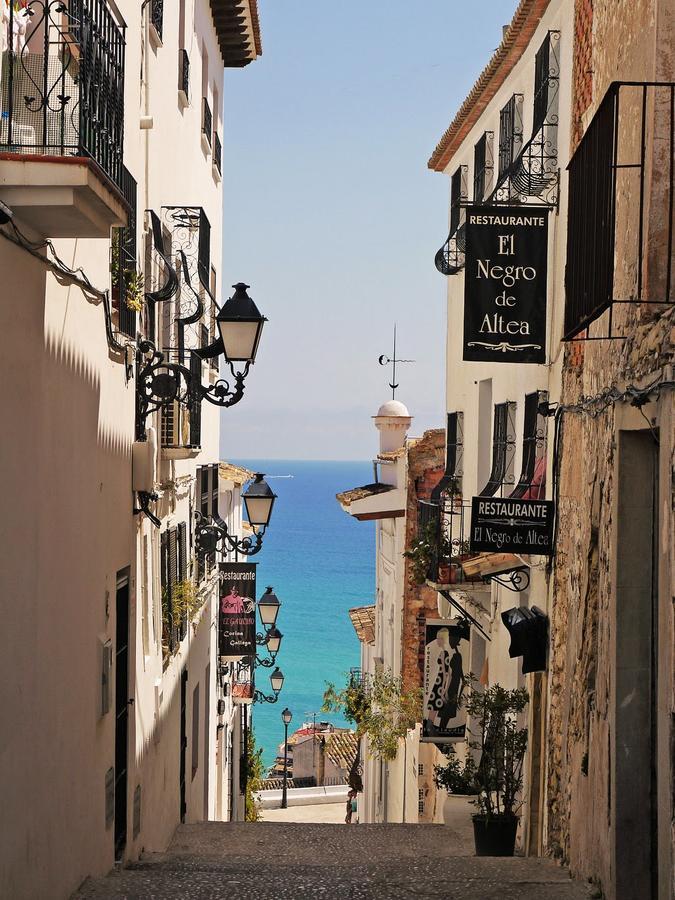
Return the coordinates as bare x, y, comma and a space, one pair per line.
333, 218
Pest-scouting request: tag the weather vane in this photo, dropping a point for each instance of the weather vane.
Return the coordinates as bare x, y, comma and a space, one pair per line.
385, 361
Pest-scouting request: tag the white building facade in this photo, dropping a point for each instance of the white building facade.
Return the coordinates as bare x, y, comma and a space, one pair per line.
119, 724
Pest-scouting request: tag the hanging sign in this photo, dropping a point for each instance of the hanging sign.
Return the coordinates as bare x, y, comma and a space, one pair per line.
236, 618
510, 525
445, 641
505, 284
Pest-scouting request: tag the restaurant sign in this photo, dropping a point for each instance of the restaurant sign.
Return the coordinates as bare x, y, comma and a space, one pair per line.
511, 525
505, 284
236, 619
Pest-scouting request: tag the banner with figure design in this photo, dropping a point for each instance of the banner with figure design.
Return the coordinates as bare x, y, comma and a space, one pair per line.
445, 643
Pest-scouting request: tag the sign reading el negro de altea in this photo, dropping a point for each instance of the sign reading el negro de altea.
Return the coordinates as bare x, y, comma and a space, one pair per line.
515, 526
505, 284
236, 619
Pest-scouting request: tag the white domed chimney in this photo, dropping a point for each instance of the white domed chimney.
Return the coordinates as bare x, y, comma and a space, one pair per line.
393, 422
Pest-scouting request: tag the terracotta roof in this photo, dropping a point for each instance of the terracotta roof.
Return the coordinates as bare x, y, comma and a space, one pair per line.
363, 620
516, 38
360, 493
392, 454
238, 28
341, 749
238, 474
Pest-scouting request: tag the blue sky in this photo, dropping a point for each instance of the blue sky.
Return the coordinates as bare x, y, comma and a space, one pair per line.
333, 218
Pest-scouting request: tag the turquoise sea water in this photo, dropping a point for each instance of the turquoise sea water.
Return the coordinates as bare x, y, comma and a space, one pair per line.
320, 562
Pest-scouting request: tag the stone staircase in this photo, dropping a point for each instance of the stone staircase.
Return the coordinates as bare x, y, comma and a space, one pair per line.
266, 861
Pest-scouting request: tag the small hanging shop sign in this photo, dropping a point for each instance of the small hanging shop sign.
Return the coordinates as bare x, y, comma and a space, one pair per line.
505, 284
236, 619
511, 525
444, 719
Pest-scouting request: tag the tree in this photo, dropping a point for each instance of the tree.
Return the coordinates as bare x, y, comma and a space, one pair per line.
254, 769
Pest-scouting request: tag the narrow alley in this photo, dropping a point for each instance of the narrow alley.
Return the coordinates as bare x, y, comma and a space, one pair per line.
261, 861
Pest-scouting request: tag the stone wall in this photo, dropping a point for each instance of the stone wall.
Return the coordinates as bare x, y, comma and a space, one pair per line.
615, 39
426, 464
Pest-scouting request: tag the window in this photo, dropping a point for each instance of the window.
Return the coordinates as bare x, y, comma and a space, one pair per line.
510, 133
420, 769
195, 730
125, 290
503, 448
532, 482
420, 801
482, 166
457, 196
546, 72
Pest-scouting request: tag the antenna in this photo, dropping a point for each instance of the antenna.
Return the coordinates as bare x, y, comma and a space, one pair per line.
385, 361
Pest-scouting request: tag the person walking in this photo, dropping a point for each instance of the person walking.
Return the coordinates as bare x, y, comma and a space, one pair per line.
351, 806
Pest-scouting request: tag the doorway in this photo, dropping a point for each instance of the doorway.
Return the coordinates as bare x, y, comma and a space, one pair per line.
636, 667
121, 714
183, 742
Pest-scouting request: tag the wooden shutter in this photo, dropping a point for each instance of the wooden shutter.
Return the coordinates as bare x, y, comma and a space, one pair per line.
166, 584
214, 489
182, 552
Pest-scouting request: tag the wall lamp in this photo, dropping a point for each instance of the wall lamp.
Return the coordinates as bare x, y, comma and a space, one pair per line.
161, 383
212, 534
277, 682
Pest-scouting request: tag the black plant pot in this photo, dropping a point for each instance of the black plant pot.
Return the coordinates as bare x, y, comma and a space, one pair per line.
495, 836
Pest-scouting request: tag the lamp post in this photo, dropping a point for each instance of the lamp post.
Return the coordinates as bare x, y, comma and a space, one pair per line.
286, 717
277, 682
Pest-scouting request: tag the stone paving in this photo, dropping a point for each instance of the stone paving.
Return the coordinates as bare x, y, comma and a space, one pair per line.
269, 861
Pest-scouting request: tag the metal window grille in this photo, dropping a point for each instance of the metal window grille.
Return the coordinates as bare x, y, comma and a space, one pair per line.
62, 82
420, 801
450, 258
610, 182
420, 769
184, 74
217, 153
510, 133
503, 449
207, 120
483, 166
157, 16
126, 263
545, 82
458, 195
532, 481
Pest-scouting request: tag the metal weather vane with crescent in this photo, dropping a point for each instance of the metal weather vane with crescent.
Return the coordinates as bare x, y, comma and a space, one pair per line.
386, 361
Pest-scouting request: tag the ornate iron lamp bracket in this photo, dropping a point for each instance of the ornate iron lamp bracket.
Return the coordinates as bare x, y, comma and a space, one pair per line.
259, 697
517, 580
159, 383
144, 499
211, 535
225, 393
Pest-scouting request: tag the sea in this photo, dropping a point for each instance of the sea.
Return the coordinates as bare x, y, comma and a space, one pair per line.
320, 562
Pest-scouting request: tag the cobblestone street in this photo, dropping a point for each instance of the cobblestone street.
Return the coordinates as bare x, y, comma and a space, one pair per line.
274, 861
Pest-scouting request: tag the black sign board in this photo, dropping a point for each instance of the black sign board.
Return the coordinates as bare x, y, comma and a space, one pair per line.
236, 619
505, 284
513, 526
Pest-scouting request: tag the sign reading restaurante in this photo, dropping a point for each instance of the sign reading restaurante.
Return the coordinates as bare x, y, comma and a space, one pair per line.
236, 620
513, 525
505, 285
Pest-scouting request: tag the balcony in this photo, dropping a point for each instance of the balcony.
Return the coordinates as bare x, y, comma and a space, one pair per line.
62, 117
443, 543
207, 125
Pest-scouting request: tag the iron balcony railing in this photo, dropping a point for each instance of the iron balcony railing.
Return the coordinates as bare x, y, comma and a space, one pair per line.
443, 528
621, 178
62, 82
207, 120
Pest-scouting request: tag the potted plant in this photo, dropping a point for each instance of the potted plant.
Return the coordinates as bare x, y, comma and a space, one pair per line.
459, 782
501, 745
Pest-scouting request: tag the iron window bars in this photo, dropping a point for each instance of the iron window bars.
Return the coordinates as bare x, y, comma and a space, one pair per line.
184, 75
207, 121
62, 88
124, 262
217, 153
503, 449
483, 165
450, 258
531, 484
174, 569
157, 17
622, 175
530, 172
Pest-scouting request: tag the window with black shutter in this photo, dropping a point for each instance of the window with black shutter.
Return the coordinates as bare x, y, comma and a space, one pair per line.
510, 132
166, 585
457, 195
214, 490
482, 166
195, 403
532, 482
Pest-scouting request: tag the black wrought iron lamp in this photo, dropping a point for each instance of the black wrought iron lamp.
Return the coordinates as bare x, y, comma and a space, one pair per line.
160, 382
212, 535
277, 682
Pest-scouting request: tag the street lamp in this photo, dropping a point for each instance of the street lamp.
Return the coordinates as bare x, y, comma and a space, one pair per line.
277, 682
268, 609
274, 637
286, 717
240, 325
211, 535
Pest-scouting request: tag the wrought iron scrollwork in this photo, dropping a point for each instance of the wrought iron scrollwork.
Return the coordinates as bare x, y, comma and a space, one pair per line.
212, 534
159, 383
516, 580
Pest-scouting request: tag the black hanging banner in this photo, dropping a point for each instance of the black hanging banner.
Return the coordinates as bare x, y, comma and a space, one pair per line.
505, 284
511, 525
236, 620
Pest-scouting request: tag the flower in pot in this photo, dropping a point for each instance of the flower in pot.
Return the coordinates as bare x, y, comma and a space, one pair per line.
501, 745
459, 781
